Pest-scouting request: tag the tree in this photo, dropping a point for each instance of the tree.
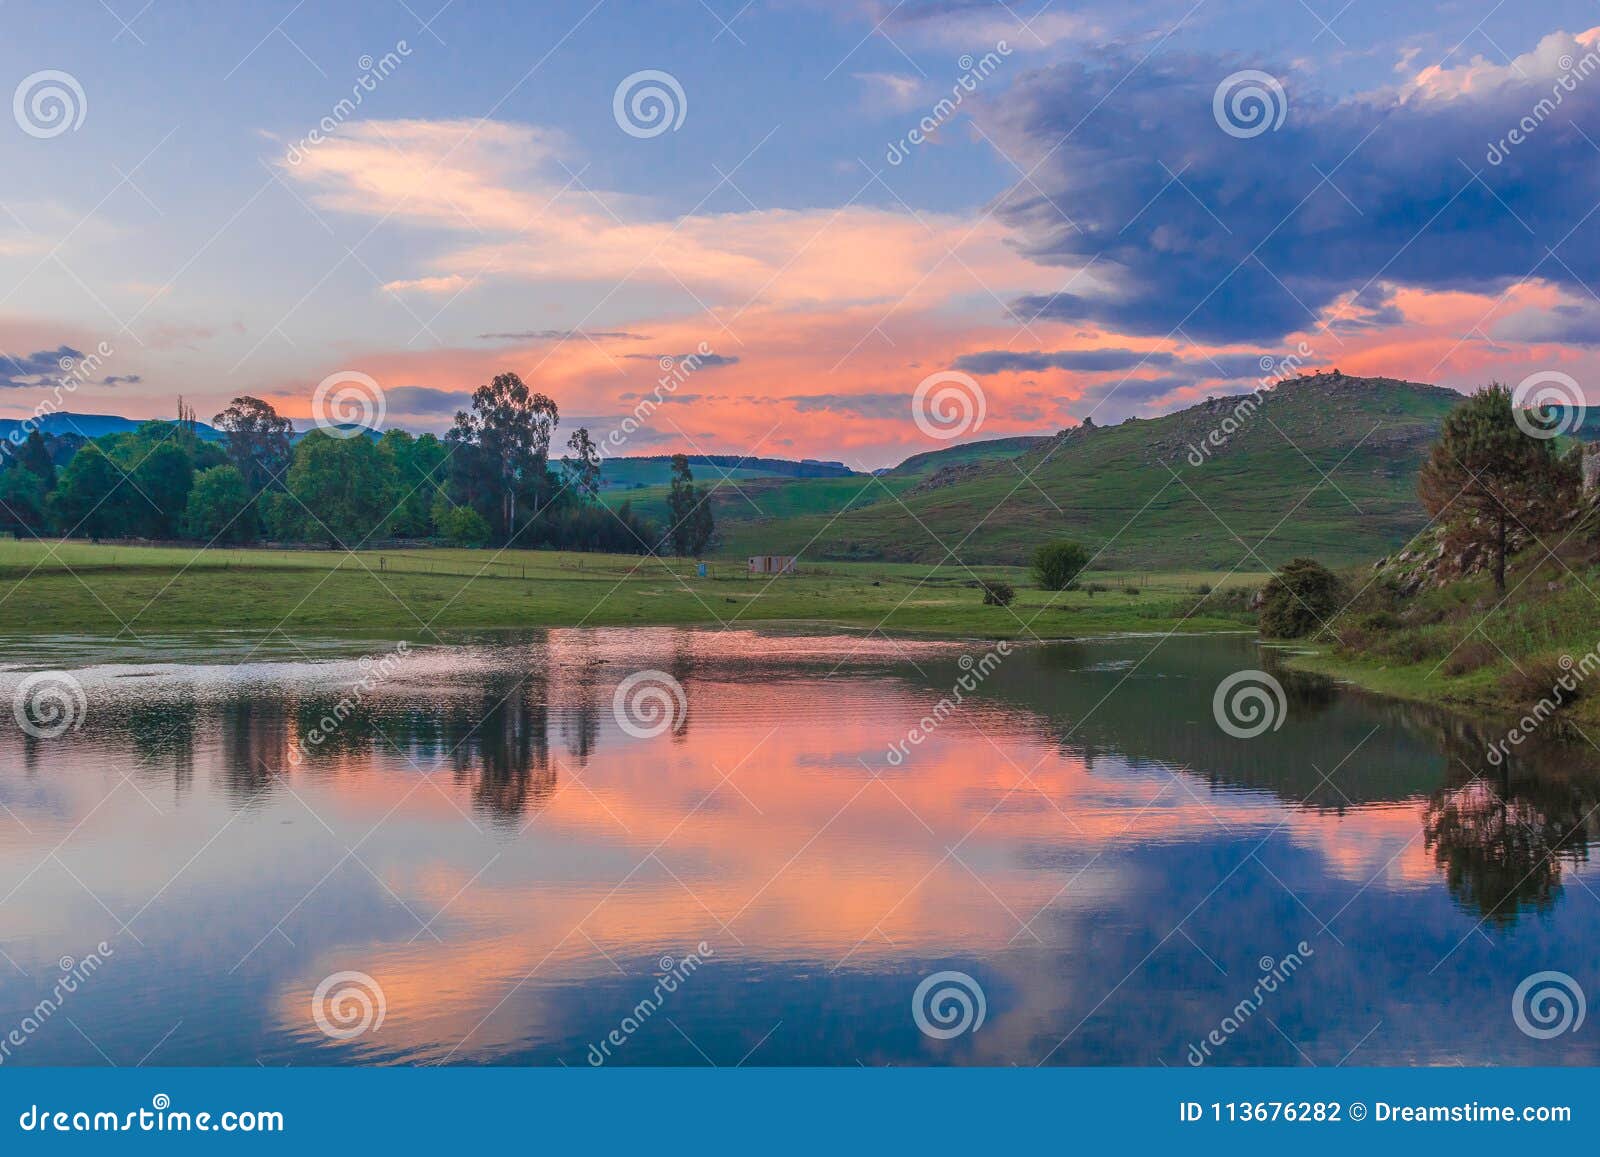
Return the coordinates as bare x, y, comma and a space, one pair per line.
1485, 475
583, 468
690, 511
258, 441
464, 526
91, 496
340, 491
35, 456
161, 484
997, 593
419, 466
22, 501
509, 430
1057, 565
218, 506
1300, 600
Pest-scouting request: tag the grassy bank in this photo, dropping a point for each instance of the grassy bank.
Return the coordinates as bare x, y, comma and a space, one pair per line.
1465, 645
107, 590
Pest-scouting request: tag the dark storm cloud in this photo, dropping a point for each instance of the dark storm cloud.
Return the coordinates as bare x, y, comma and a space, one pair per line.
1225, 366
1086, 360
35, 369
425, 400
1232, 239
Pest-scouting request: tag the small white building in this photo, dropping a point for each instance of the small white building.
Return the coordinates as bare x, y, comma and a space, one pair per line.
772, 564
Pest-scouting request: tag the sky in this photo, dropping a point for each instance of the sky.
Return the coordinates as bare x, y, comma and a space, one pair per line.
877, 227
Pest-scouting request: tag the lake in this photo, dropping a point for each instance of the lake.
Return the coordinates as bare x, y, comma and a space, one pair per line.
687, 847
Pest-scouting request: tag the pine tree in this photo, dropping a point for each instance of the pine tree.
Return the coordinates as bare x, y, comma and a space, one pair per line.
1485, 476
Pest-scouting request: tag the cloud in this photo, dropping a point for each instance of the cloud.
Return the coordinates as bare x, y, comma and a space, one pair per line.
966, 23
892, 89
123, 379
563, 335
425, 401
1224, 239
866, 405
1088, 360
1103, 360
1565, 324
489, 184
42, 368
449, 283
701, 361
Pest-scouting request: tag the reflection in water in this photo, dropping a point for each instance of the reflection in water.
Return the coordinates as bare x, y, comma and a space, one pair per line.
478, 834
1502, 836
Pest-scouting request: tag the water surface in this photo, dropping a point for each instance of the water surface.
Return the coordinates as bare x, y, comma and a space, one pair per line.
516, 871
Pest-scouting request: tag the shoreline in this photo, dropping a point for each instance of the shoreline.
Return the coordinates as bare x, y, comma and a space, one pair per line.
1404, 683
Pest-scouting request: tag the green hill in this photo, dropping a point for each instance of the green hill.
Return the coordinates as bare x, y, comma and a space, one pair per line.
749, 501
656, 469
992, 449
1323, 465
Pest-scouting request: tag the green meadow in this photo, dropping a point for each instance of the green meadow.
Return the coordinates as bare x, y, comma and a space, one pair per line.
74, 587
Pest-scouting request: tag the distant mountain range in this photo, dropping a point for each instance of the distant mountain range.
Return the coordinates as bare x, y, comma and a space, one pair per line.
656, 470
93, 425
650, 470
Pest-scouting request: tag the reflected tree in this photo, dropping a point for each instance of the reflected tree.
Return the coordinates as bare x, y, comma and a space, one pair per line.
1503, 839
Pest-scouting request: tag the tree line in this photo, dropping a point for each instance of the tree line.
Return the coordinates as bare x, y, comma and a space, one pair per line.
489, 481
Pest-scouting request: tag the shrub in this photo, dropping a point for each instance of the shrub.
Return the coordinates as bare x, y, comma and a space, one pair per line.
997, 593
1540, 678
1092, 589
1057, 565
1403, 647
464, 526
1469, 657
1299, 600
1130, 589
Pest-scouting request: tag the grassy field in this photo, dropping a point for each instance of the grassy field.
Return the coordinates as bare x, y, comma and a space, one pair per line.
1464, 645
109, 590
